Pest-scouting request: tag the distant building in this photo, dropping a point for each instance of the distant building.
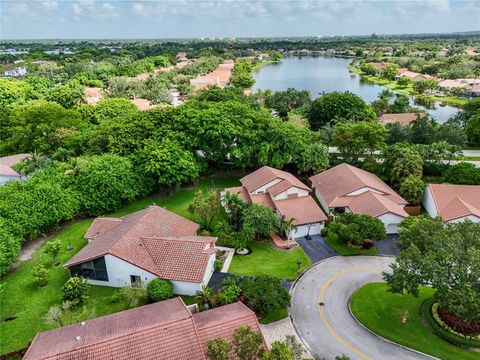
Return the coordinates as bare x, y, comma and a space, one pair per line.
142, 104
93, 96
406, 119
182, 56
14, 71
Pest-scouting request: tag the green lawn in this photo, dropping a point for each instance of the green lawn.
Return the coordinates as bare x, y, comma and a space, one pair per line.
274, 316
23, 299
343, 249
382, 312
265, 260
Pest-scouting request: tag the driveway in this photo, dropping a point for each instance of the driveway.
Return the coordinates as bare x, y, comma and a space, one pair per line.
329, 330
316, 248
387, 246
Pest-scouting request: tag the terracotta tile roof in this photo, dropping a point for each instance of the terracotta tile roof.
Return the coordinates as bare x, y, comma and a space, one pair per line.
266, 174
142, 76
13, 159
456, 201
101, 225
241, 191
164, 330
344, 179
370, 203
142, 104
8, 171
403, 119
223, 321
303, 210
181, 258
262, 199
140, 239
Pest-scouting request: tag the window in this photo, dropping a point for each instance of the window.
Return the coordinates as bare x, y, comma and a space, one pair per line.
95, 269
135, 281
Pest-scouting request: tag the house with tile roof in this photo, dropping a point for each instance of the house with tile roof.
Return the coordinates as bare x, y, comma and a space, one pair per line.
405, 119
284, 194
167, 330
453, 203
7, 173
346, 188
145, 245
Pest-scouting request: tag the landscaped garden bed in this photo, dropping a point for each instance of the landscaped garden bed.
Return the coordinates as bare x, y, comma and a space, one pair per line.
384, 313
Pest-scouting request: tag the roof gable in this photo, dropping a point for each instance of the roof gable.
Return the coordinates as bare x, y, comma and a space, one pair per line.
344, 179
456, 201
266, 174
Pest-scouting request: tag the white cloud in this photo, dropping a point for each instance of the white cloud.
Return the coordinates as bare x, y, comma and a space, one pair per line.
19, 9
49, 5
138, 8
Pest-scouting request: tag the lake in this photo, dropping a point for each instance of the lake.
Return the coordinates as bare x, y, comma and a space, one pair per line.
325, 74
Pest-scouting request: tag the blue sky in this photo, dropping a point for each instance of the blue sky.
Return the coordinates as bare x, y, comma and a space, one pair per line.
47, 19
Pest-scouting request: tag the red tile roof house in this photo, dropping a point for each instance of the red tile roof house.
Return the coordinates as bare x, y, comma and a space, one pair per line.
286, 195
148, 244
6, 171
453, 203
347, 188
406, 119
165, 330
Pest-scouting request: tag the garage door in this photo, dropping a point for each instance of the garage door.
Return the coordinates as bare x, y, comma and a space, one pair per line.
392, 229
302, 230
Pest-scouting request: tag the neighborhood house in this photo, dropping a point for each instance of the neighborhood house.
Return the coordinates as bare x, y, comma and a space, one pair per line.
406, 119
166, 330
453, 203
148, 244
284, 194
345, 188
6, 171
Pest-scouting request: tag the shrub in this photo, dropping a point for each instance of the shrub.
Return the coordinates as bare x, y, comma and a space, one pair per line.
463, 173
132, 296
411, 189
76, 290
459, 325
52, 248
159, 289
41, 274
217, 265
218, 349
264, 294
368, 244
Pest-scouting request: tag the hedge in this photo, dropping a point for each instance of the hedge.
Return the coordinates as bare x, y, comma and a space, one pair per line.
443, 333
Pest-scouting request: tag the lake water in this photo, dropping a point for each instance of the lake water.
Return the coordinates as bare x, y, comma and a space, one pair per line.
326, 74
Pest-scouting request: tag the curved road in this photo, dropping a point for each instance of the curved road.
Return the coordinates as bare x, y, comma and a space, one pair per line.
330, 330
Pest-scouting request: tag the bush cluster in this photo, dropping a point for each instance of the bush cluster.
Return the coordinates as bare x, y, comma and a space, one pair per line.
159, 289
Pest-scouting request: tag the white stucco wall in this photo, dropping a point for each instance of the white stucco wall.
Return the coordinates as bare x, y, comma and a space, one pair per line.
263, 189
119, 272
391, 222
290, 191
322, 202
428, 203
475, 219
5, 178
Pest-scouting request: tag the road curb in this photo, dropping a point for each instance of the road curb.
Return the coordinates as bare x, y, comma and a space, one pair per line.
386, 340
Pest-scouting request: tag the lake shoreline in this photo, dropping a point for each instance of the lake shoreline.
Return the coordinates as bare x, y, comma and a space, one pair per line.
392, 85
324, 74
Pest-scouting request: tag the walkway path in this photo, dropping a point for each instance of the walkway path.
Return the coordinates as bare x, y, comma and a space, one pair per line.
321, 315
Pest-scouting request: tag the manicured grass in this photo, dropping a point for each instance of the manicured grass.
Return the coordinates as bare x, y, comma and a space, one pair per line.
265, 260
22, 298
343, 249
382, 313
274, 316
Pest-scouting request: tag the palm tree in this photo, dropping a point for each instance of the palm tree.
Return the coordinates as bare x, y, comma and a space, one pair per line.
288, 227
34, 163
235, 206
205, 296
74, 166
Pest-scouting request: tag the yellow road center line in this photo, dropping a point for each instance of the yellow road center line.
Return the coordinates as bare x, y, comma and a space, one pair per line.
329, 327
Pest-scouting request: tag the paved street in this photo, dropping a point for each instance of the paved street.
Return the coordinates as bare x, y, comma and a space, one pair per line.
330, 330
316, 248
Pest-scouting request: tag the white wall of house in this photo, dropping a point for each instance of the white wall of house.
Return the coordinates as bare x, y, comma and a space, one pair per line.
428, 202
291, 191
119, 272
473, 218
302, 230
5, 178
322, 202
263, 189
391, 222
